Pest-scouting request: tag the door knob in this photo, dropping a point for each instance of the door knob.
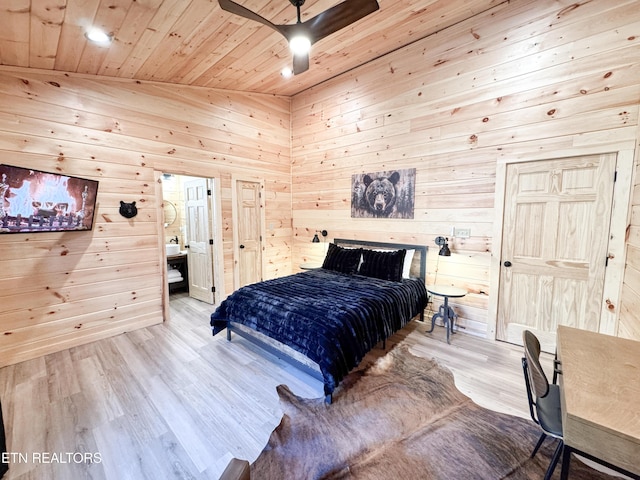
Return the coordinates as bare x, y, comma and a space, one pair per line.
507, 263
241, 246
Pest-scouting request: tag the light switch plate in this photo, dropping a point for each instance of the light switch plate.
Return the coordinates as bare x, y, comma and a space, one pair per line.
461, 232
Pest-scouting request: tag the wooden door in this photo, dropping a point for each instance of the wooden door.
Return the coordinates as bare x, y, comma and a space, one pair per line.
554, 246
200, 257
249, 232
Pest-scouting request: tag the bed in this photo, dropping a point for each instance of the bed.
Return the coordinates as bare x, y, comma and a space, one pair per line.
325, 320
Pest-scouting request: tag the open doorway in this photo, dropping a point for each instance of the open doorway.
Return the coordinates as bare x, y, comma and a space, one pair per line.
191, 212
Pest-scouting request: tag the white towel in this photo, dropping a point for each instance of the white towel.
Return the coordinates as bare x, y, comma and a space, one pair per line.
174, 274
174, 279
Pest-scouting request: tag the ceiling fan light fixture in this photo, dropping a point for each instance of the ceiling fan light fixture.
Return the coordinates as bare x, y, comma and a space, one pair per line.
300, 44
314, 29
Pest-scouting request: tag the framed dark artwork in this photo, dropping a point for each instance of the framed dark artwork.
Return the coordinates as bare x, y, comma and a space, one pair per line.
37, 201
388, 194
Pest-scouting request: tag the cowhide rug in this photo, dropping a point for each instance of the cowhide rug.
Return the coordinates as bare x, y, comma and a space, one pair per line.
403, 418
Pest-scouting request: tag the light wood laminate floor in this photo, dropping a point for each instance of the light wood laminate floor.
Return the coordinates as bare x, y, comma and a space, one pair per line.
171, 401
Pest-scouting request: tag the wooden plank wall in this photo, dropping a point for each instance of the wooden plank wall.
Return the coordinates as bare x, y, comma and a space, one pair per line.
629, 326
526, 80
63, 289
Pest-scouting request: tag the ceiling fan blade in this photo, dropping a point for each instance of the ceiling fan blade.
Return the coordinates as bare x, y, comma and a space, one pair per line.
236, 9
338, 17
300, 63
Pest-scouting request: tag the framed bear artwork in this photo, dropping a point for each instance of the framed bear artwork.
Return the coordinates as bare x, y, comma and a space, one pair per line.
388, 194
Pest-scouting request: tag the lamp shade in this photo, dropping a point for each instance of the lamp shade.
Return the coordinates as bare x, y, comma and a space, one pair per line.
444, 246
316, 239
444, 250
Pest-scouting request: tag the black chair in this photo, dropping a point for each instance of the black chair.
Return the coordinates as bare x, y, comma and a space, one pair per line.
544, 399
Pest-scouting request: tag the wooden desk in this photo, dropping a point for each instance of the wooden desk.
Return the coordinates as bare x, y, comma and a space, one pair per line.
600, 399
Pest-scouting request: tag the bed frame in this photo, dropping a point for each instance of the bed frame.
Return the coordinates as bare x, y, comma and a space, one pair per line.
296, 359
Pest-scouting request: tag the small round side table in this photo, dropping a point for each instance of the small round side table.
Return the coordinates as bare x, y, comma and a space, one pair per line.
310, 266
445, 312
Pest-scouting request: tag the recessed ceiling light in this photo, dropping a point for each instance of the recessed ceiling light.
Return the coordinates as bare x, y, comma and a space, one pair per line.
286, 72
98, 36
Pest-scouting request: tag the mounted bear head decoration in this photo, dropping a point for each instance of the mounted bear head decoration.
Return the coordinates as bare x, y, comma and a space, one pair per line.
128, 210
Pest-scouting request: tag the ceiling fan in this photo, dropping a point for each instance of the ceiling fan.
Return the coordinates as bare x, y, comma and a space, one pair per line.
304, 34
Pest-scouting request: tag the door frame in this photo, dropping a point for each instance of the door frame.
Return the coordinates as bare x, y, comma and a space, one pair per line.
620, 211
215, 222
234, 214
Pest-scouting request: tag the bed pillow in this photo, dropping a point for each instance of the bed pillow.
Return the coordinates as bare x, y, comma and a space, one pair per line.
408, 259
383, 265
344, 260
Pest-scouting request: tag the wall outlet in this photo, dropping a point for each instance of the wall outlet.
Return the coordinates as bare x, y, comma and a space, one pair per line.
461, 232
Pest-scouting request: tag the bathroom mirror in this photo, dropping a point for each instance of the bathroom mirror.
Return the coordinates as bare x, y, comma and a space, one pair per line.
170, 213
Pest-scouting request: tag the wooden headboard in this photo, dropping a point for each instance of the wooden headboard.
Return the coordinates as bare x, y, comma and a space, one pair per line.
418, 265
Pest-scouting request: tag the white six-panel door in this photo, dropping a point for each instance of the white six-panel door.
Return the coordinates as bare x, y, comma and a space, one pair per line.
200, 256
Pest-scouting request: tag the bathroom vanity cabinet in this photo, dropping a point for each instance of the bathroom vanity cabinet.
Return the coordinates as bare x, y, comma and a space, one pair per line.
177, 273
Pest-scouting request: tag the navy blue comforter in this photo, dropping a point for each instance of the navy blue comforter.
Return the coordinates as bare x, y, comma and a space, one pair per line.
332, 318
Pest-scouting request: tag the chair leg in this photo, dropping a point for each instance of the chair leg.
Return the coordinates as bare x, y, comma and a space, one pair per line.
540, 440
554, 460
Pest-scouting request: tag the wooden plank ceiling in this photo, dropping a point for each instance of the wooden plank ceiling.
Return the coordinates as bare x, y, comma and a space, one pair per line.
195, 42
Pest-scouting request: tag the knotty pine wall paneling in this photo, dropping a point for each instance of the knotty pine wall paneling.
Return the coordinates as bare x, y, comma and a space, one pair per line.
629, 326
527, 80
63, 289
